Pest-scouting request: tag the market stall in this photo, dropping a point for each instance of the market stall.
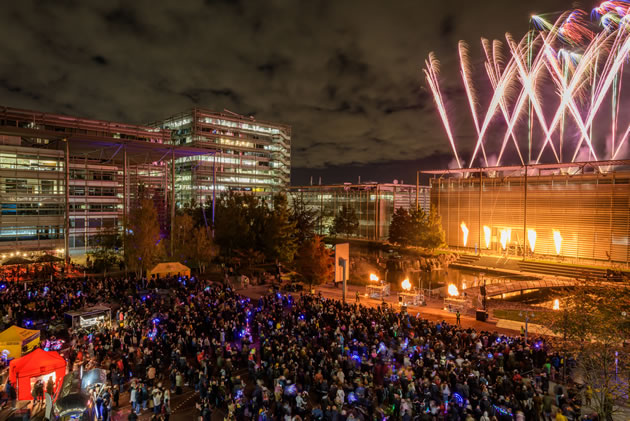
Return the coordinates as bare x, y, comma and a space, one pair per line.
41, 365
89, 316
16, 340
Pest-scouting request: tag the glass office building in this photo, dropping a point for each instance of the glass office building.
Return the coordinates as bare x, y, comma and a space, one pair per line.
373, 203
246, 155
106, 166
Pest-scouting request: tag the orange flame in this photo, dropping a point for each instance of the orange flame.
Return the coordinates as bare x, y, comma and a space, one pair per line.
406, 285
531, 237
373, 277
556, 304
487, 235
465, 232
557, 239
452, 290
506, 236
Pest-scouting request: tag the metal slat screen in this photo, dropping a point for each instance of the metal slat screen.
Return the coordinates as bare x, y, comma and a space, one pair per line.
585, 216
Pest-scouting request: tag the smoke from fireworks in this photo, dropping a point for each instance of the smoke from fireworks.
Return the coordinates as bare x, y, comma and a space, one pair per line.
578, 59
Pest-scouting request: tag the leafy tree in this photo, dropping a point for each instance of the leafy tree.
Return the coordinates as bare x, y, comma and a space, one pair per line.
400, 227
237, 224
417, 227
433, 236
106, 249
279, 232
304, 217
346, 222
143, 247
202, 248
182, 236
315, 263
593, 327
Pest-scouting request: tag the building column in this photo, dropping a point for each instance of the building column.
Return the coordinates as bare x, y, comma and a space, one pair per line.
479, 228
125, 206
172, 199
214, 188
66, 225
525, 240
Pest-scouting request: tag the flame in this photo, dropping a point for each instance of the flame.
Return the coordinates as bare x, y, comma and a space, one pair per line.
487, 234
464, 285
531, 237
406, 285
373, 277
556, 304
557, 239
452, 290
465, 232
506, 236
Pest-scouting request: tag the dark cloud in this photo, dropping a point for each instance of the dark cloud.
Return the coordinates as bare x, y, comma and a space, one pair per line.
345, 74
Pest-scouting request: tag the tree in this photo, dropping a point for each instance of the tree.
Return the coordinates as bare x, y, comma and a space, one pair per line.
315, 263
237, 223
433, 236
143, 246
182, 236
346, 222
304, 217
593, 327
417, 227
106, 249
400, 227
279, 232
202, 248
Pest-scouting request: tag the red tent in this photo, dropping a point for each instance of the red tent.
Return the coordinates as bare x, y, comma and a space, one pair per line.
38, 365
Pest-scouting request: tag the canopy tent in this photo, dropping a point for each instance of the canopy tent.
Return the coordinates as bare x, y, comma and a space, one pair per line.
38, 365
169, 269
15, 339
89, 316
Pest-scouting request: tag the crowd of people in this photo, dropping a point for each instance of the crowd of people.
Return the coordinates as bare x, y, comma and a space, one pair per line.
283, 357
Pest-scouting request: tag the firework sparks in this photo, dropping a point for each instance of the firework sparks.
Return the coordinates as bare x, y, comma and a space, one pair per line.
577, 57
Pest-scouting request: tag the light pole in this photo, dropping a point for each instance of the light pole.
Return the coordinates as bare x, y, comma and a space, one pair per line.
528, 315
556, 307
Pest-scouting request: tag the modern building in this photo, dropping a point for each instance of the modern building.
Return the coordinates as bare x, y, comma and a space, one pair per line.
373, 204
573, 211
251, 155
63, 179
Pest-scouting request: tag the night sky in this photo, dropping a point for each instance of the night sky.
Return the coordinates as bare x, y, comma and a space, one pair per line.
346, 75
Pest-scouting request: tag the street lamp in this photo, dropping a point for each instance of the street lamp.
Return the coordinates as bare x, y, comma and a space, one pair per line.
528, 315
556, 307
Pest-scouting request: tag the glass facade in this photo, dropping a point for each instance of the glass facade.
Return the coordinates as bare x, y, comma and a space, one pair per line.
373, 204
32, 199
574, 217
33, 179
250, 155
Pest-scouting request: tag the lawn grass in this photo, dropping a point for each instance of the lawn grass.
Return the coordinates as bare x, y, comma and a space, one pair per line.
508, 314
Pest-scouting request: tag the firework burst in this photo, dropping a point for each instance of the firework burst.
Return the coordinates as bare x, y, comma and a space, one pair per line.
563, 78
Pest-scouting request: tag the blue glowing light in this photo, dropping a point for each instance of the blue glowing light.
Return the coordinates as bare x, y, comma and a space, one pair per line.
458, 399
352, 398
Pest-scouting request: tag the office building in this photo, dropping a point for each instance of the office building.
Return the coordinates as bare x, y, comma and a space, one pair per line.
568, 211
65, 179
373, 203
248, 155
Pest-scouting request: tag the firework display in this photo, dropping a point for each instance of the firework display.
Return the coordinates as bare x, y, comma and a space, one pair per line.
555, 95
